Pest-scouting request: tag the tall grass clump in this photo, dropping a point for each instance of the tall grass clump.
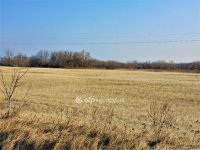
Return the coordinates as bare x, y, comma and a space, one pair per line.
162, 122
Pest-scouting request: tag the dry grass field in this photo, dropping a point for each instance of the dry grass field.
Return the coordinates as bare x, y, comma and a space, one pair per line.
103, 109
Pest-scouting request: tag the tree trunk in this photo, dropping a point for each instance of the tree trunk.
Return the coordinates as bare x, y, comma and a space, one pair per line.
9, 106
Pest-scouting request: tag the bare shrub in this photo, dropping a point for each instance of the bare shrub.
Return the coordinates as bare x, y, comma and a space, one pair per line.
9, 88
161, 115
162, 120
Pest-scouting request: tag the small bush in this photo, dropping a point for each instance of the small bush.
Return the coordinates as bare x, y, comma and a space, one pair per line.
162, 120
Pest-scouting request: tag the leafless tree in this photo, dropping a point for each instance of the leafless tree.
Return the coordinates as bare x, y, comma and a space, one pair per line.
21, 60
8, 89
8, 58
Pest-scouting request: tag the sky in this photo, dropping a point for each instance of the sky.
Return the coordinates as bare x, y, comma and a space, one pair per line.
123, 30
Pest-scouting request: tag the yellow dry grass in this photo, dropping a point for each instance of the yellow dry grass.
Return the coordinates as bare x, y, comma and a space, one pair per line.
52, 101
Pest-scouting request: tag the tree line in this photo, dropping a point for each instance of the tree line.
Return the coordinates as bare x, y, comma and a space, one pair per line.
83, 59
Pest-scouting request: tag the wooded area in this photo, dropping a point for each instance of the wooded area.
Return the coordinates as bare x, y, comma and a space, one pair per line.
83, 59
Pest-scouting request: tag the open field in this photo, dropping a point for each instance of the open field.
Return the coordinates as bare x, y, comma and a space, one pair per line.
112, 103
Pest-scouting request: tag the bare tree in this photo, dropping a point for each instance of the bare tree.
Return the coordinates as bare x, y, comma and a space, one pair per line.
8, 58
21, 60
8, 89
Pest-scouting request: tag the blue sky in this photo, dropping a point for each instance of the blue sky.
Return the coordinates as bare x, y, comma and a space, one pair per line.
124, 30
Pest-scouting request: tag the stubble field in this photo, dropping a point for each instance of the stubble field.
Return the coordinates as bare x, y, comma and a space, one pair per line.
101, 109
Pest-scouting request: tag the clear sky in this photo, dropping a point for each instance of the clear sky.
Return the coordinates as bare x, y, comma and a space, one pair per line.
121, 30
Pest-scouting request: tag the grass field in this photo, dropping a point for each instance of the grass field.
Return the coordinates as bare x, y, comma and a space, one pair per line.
113, 103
